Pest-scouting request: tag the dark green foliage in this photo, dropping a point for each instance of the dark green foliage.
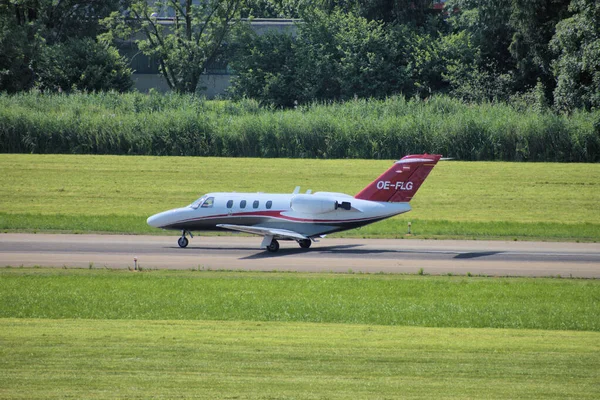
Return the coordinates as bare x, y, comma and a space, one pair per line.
486, 51
418, 13
486, 22
265, 67
577, 67
183, 125
445, 64
19, 44
274, 8
67, 19
82, 64
549, 45
343, 56
335, 56
43, 38
17, 49
534, 23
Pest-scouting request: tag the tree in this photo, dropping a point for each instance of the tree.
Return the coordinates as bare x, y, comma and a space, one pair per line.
19, 44
534, 22
275, 8
513, 38
335, 56
82, 64
29, 28
265, 67
577, 66
185, 42
486, 21
416, 13
444, 63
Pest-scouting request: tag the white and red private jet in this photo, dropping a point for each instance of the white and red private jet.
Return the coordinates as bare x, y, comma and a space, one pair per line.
302, 217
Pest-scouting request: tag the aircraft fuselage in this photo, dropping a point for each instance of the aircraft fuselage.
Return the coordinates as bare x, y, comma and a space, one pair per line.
310, 215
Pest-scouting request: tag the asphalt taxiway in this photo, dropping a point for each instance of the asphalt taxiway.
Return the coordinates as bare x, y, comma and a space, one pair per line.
492, 258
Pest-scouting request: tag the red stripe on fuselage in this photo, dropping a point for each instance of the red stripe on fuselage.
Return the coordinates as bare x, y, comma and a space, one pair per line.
274, 214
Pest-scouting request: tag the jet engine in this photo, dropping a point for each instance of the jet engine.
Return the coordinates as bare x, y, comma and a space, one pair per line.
312, 204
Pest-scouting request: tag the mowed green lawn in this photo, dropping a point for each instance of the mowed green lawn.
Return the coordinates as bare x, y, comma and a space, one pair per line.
107, 359
379, 299
222, 335
459, 199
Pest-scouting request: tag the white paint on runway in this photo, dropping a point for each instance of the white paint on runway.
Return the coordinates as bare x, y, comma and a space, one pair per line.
493, 258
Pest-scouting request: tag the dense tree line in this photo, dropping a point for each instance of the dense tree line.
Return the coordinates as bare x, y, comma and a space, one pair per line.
542, 53
539, 52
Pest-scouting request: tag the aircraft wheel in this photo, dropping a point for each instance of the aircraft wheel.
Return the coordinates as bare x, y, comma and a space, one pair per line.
273, 247
182, 242
304, 243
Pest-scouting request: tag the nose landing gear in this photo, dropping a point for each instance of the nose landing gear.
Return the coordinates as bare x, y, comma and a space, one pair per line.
183, 241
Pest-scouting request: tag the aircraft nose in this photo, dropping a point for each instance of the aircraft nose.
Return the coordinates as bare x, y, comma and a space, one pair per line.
157, 220
153, 221
166, 219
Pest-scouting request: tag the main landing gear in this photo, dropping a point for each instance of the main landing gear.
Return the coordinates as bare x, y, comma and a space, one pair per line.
304, 243
183, 241
274, 245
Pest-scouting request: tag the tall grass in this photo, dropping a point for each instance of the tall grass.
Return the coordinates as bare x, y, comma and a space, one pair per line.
155, 124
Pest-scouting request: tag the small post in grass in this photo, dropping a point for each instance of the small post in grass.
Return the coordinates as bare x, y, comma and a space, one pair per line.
409, 226
135, 263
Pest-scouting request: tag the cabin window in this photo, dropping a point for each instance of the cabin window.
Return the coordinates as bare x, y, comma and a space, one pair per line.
255, 204
243, 204
269, 204
208, 202
230, 204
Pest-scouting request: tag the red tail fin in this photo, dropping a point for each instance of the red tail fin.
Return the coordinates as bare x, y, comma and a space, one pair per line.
402, 180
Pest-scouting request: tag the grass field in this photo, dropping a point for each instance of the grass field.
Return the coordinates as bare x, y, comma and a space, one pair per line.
459, 199
200, 334
106, 359
460, 302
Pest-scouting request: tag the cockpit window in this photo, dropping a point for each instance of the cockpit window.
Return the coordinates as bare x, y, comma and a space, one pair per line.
208, 202
197, 203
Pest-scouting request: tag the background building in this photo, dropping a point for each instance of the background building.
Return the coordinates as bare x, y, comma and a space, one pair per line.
216, 78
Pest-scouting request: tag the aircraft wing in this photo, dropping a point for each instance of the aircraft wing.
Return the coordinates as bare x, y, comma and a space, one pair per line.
256, 230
